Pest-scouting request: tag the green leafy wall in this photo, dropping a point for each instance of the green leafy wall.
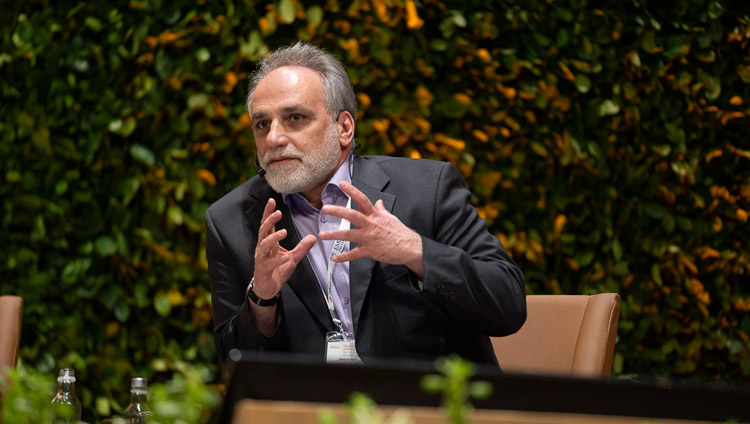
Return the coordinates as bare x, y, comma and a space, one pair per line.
606, 143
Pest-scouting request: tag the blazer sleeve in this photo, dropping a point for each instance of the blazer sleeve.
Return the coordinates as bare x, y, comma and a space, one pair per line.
233, 325
467, 271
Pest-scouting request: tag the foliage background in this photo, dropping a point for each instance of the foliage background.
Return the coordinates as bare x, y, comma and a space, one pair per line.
606, 143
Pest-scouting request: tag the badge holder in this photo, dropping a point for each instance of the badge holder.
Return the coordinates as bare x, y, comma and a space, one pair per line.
340, 348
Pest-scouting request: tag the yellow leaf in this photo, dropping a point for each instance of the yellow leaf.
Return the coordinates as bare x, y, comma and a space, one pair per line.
689, 265
716, 153
566, 72
717, 225
484, 55
452, 142
560, 221
415, 154
480, 135
413, 21
424, 97
735, 100
742, 215
462, 98
708, 252
364, 100
505, 132
207, 176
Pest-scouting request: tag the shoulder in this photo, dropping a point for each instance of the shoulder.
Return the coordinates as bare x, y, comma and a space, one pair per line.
241, 198
424, 168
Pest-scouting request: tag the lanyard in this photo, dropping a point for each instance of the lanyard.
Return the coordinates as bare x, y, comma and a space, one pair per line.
338, 248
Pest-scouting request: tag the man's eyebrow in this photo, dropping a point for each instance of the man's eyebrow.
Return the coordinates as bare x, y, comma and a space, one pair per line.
285, 110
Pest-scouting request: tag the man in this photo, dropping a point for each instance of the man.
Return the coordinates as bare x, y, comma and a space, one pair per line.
414, 273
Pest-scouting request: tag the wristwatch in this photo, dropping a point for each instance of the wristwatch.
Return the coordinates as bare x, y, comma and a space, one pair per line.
258, 301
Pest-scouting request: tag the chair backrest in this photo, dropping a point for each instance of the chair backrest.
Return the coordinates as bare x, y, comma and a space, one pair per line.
568, 335
11, 310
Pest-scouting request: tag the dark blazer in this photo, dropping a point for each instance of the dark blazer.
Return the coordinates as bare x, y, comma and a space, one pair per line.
471, 290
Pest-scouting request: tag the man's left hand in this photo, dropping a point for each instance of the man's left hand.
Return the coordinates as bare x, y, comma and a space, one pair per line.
379, 234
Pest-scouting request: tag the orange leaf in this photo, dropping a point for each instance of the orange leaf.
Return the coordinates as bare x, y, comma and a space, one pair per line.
689, 265
716, 153
742, 215
207, 176
413, 21
560, 221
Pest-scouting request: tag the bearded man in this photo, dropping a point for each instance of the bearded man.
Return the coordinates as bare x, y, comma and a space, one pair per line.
349, 258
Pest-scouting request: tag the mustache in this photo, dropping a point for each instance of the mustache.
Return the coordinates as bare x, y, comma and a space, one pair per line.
277, 153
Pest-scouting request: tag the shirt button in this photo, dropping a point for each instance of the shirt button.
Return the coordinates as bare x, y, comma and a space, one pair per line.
346, 301
323, 218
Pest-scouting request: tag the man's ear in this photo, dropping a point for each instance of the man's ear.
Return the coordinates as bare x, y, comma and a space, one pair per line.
346, 128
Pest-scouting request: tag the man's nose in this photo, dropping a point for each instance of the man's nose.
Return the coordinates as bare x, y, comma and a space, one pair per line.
277, 135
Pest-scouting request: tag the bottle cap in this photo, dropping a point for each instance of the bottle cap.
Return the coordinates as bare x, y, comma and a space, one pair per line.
67, 375
138, 385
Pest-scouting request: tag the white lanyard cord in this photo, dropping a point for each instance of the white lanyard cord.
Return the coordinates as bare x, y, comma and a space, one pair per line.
338, 248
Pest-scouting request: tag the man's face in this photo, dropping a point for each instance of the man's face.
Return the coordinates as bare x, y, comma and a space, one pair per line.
297, 141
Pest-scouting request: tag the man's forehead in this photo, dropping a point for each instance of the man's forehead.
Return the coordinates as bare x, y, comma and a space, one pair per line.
288, 86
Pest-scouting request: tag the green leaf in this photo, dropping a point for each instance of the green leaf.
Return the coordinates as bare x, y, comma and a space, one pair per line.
608, 107
203, 55
122, 311
668, 222
715, 10
432, 383
654, 210
656, 274
616, 250
314, 15
162, 304
480, 389
106, 246
93, 23
142, 154
583, 83
286, 10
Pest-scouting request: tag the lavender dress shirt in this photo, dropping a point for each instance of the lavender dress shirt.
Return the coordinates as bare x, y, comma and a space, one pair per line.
309, 220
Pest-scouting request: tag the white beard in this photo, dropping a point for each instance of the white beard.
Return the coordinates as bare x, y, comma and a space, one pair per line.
310, 171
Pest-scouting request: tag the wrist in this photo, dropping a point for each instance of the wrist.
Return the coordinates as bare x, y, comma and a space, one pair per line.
250, 294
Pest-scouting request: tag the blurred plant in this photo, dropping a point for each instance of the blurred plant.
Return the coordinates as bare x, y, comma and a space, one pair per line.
456, 387
363, 410
28, 396
183, 399
454, 384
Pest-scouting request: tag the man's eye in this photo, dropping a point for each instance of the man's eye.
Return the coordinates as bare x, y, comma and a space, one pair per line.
296, 117
261, 125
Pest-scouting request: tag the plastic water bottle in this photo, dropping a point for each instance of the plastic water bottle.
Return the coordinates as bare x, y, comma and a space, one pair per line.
138, 411
66, 406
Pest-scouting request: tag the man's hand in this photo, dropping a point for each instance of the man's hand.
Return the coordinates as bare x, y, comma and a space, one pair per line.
274, 264
379, 235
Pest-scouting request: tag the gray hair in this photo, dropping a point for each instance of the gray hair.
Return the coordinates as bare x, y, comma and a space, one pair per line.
338, 93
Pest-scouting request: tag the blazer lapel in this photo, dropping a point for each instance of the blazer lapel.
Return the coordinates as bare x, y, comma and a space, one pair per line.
370, 180
303, 281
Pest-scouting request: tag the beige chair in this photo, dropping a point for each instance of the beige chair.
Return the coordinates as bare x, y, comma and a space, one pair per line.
11, 309
567, 335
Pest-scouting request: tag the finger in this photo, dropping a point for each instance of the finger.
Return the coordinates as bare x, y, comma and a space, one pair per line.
268, 225
354, 216
269, 209
346, 235
363, 203
351, 255
269, 243
303, 247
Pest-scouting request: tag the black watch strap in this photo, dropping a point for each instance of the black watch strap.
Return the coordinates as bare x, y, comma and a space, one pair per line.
258, 301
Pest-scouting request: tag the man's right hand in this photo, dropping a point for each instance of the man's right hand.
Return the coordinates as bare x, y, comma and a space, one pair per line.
274, 264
